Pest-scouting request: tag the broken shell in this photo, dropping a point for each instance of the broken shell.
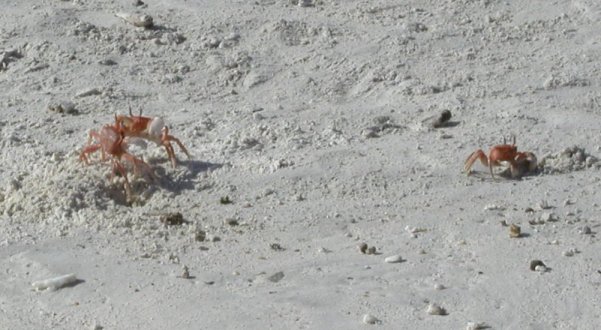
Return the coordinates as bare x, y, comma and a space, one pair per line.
369, 319
515, 231
434, 309
536, 263
393, 259
144, 21
362, 247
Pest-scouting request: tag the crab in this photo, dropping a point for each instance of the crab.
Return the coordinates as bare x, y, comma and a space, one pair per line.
151, 129
110, 141
520, 163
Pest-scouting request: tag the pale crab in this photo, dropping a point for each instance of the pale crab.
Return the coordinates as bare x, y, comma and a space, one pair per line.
151, 129
110, 141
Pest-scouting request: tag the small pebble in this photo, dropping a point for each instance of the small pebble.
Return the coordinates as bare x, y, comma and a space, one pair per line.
371, 250
276, 277
185, 272
305, 3
369, 319
200, 235
434, 309
515, 231
442, 120
493, 207
96, 326
276, 247
586, 230
107, 62
63, 107
536, 263
439, 286
231, 222
476, 326
548, 217
393, 259
570, 252
172, 219
362, 248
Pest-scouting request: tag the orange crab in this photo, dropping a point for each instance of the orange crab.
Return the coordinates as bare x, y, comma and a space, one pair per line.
152, 129
110, 140
519, 162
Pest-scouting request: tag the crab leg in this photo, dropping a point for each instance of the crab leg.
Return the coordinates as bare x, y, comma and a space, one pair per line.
165, 141
478, 154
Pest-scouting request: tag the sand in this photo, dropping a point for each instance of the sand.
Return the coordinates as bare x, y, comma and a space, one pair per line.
308, 126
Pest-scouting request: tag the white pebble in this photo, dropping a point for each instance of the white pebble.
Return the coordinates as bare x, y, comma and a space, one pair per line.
434, 309
476, 326
540, 268
414, 230
393, 259
439, 286
369, 319
493, 207
568, 253
54, 283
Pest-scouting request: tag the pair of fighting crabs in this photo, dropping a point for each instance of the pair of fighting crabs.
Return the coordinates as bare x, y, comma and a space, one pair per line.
520, 163
112, 140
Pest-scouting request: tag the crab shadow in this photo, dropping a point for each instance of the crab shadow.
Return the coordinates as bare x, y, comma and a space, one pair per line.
504, 175
181, 180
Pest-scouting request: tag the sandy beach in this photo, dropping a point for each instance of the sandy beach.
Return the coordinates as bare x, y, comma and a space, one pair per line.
321, 192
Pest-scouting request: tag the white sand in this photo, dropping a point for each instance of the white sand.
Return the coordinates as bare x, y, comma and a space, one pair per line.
310, 119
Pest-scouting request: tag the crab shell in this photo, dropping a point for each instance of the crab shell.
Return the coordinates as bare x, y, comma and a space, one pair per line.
156, 126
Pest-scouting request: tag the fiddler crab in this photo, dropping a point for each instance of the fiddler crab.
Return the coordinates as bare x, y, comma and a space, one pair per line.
112, 140
520, 163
